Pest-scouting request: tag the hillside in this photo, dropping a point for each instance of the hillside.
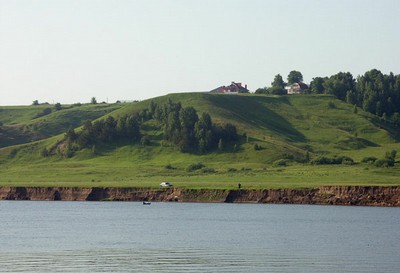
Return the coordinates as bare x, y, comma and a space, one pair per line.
22, 124
278, 134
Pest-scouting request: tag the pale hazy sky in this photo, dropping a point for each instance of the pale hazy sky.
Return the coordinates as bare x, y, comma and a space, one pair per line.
71, 50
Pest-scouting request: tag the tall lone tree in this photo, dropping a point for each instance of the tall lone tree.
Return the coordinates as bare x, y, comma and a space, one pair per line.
278, 82
294, 76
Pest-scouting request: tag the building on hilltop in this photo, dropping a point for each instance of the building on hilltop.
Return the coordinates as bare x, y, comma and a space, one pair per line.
296, 88
233, 88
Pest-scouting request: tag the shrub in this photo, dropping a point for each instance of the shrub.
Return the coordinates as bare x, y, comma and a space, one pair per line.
257, 147
388, 161
169, 167
331, 105
369, 159
208, 170
281, 162
231, 170
344, 160
145, 140
45, 112
194, 167
381, 163
44, 152
323, 160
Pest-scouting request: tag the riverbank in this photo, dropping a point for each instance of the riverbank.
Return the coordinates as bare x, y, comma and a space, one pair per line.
327, 195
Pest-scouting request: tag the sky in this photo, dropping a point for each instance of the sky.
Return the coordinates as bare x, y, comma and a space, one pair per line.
69, 51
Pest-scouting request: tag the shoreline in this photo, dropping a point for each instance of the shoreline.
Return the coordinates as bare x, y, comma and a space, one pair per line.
325, 195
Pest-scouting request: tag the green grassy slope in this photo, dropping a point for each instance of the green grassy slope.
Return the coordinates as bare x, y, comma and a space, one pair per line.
22, 124
284, 126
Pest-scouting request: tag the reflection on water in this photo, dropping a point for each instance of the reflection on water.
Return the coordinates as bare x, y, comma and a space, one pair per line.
127, 237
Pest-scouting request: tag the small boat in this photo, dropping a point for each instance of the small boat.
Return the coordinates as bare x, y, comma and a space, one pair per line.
146, 203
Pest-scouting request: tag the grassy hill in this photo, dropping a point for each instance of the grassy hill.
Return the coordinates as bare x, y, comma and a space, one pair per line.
22, 124
286, 130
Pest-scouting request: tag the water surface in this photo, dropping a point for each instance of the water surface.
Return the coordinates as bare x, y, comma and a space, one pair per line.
187, 237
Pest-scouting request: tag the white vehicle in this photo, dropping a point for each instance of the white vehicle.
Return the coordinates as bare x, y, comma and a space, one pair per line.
166, 184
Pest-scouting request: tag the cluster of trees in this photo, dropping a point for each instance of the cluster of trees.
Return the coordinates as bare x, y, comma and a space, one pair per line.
182, 126
388, 161
191, 133
105, 131
324, 160
278, 85
374, 92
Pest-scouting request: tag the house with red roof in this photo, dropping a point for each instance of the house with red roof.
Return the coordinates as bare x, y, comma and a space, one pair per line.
233, 88
296, 88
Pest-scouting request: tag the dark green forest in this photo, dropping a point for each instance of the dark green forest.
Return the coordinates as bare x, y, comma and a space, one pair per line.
181, 126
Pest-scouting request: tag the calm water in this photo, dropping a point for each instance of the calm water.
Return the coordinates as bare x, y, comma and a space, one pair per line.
184, 237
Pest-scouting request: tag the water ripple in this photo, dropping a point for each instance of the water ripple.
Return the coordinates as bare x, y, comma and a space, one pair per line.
184, 260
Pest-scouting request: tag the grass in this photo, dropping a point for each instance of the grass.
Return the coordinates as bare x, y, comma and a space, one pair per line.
284, 127
23, 124
298, 176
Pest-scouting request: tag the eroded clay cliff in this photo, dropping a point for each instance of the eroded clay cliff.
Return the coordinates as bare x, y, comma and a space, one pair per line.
345, 195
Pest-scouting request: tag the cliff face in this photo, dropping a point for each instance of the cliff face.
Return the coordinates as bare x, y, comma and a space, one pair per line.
349, 195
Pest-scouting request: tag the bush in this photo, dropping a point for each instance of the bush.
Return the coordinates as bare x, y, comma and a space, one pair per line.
169, 167
45, 112
280, 162
257, 147
275, 90
388, 161
231, 170
145, 141
381, 163
194, 167
44, 152
323, 160
369, 159
331, 105
344, 160
208, 170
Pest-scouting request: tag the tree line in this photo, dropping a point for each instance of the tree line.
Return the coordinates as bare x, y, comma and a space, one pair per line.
278, 85
182, 126
374, 92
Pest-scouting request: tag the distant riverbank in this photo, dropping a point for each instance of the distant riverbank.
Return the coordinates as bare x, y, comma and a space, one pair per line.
327, 195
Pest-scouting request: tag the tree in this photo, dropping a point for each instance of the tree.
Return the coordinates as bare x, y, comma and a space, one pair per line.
35, 102
93, 100
350, 97
390, 158
220, 144
274, 90
339, 84
278, 82
57, 106
203, 132
70, 135
261, 91
317, 85
145, 140
396, 119
294, 76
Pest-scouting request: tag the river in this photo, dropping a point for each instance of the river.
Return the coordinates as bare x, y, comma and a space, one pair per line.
196, 237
